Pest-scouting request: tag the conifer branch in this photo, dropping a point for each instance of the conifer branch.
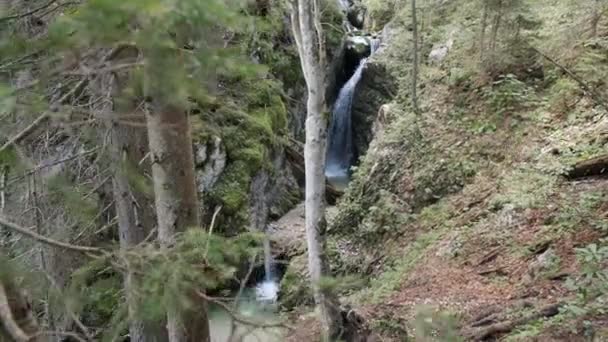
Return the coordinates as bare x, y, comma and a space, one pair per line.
90, 251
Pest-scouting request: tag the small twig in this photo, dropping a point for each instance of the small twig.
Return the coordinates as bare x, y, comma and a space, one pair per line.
6, 316
27, 232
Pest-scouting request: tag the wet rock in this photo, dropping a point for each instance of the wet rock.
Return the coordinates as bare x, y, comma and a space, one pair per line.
356, 16
375, 88
210, 163
358, 46
272, 193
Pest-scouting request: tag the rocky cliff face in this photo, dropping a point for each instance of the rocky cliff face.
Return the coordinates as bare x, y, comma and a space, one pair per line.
376, 88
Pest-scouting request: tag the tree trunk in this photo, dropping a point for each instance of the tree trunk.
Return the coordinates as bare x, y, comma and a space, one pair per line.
496, 26
17, 320
176, 204
484, 26
415, 66
595, 19
306, 25
131, 231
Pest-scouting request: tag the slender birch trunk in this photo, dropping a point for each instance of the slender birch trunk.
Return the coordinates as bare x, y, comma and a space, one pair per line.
306, 25
176, 204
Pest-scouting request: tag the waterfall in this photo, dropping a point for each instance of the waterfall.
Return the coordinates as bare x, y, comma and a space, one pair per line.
340, 147
267, 290
268, 276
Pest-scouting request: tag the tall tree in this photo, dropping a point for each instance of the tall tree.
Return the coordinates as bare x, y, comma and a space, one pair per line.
308, 33
176, 200
131, 230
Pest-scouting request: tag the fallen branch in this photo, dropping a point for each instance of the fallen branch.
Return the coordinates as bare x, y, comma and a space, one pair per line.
8, 321
29, 233
507, 326
591, 167
594, 94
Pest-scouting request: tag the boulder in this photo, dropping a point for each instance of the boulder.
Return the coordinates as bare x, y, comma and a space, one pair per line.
357, 46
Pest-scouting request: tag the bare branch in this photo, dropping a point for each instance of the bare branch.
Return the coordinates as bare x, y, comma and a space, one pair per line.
29, 233
23, 15
44, 116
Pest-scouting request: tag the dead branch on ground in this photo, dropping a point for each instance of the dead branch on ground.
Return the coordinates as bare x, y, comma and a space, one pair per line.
591, 167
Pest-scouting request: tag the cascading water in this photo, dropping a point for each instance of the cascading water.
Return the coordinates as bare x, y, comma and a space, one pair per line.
340, 147
267, 290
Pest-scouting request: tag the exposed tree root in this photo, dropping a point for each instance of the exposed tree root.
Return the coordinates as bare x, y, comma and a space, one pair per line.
591, 167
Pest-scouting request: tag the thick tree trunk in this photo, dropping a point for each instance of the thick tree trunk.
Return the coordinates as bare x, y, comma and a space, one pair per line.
306, 24
176, 204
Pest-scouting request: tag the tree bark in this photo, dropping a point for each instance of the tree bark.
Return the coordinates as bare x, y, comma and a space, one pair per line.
130, 228
17, 321
496, 26
176, 204
306, 25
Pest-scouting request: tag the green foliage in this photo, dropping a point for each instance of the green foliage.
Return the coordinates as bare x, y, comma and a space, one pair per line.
593, 280
582, 212
436, 325
524, 188
163, 279
508, 94
78, 201
380, 12
392, 278
563, 95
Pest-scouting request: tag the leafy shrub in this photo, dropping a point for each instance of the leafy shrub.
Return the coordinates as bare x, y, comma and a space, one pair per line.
563, 95
508, 94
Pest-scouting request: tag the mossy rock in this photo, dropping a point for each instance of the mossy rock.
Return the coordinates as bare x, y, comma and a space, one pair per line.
294, 289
